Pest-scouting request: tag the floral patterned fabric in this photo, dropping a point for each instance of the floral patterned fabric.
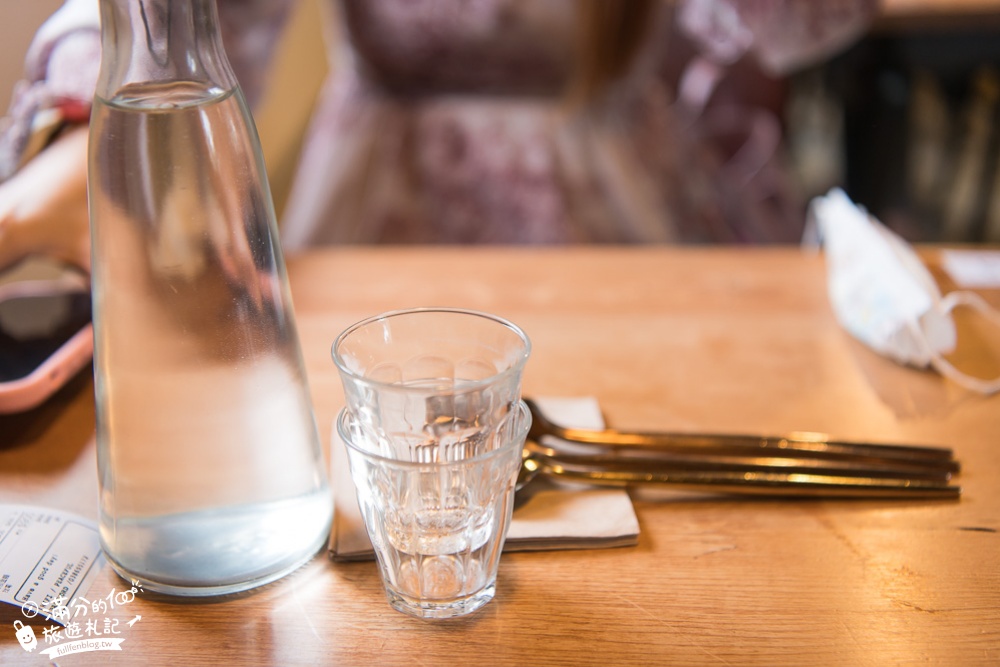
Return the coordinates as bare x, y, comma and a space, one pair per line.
446, 121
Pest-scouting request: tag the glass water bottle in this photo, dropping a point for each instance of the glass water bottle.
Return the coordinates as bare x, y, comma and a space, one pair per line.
211, 473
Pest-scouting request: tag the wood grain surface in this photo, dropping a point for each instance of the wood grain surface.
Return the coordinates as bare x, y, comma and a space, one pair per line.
666, 338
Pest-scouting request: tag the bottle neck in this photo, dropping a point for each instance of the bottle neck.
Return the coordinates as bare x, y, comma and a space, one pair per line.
159, 41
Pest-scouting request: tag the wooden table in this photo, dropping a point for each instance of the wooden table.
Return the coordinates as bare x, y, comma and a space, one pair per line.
720, 340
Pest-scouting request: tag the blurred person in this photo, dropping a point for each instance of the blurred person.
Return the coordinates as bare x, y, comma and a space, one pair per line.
475, 121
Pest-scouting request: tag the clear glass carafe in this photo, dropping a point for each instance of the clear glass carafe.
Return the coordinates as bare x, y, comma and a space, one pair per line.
211, 472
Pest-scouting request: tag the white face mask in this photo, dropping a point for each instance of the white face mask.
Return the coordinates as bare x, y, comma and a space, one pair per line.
883, 294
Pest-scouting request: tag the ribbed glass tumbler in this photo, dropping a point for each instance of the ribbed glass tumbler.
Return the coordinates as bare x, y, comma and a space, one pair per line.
434, 427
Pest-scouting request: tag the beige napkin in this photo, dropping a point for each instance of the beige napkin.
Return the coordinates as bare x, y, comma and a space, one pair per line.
555, 517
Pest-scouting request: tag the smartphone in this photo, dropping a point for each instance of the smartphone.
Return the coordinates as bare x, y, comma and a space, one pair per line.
46, 338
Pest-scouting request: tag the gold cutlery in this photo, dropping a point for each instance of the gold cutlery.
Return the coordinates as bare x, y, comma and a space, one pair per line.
800, 464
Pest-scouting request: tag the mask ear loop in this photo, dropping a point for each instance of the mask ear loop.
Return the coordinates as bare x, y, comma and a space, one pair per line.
942, 365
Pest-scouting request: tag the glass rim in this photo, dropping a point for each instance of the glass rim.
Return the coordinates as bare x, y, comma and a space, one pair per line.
345, 414
339, 361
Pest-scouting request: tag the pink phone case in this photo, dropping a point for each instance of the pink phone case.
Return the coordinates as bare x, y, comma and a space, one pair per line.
30, 391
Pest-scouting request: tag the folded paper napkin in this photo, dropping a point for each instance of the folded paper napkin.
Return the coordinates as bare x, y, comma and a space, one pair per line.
555, 517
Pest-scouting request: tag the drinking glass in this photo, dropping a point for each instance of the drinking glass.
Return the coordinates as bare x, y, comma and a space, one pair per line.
434, 428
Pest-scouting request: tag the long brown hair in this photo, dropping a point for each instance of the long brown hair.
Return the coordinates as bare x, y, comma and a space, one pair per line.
610, 34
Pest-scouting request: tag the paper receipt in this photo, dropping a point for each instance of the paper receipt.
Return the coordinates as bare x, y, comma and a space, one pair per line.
46, 557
